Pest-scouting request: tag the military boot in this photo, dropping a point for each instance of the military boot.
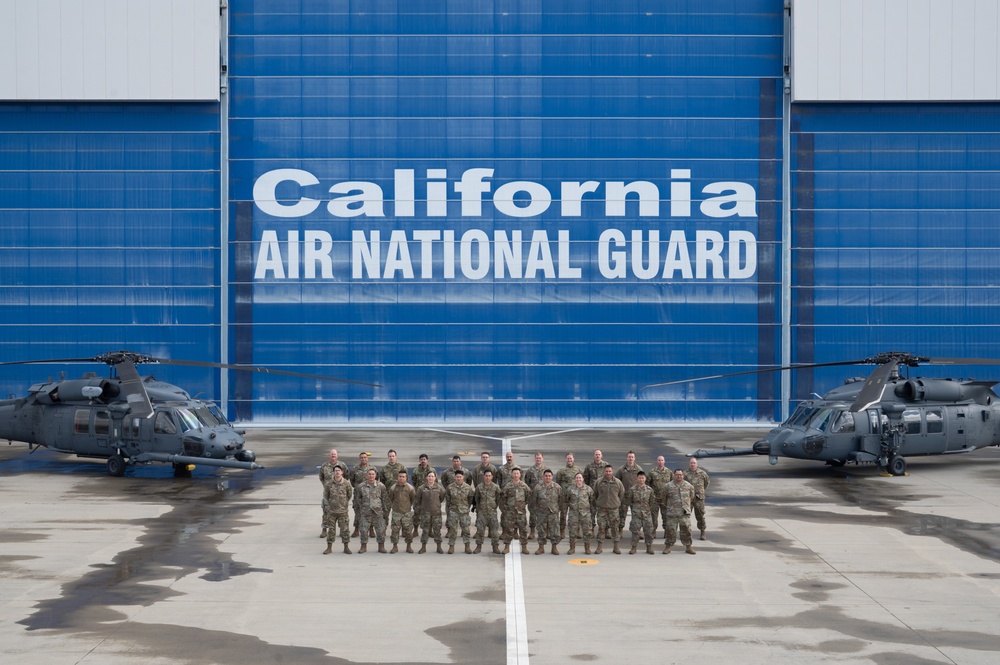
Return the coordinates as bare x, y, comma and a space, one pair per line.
479, 548
540, 550
409, 547
632, 551
555, 550
689, 550
496, 549
329, 548
322, 534
354, 534
395, 548
506, 548
440, 549
364, 548
381, 548
423, 548
451, 548
524, 546
347, 548
572, 548
586, 547
702, 535
666, 549
600, 546
649, 549
617, 550
468, 548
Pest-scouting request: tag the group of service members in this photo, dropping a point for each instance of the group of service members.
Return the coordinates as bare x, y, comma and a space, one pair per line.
574, 502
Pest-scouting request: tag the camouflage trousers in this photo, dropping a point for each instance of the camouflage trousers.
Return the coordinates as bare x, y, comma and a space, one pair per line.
607, 518
698, 507
548, 527
642, 522
563, 513
370, 518
672, 525
515, 526
459, 522
659, 510
487, 520
404, 522
331, 522
622, 514
430, 526
579, 523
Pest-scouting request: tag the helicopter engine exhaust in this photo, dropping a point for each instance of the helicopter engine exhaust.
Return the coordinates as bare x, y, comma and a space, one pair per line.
919, 390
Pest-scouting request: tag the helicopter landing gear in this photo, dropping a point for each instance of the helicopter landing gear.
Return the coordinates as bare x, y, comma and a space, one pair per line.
897, 465
837, 463
116, 465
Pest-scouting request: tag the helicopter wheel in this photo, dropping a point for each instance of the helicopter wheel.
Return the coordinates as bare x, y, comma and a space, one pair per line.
897, 465
837, 463
116, 466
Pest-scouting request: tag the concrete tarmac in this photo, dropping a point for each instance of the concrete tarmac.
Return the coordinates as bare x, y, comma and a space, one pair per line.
802, 564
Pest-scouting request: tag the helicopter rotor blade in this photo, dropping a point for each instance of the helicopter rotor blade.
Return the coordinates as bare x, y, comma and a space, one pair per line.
871, 392
261, 370
135, 391
756, 371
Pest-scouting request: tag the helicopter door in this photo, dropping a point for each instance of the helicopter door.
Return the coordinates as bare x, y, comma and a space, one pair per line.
91, 432
956, 426
165, 433
871, 442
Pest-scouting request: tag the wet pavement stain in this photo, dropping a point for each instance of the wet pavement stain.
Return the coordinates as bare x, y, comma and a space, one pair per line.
890, 658
474, 641
815, 592
489, 594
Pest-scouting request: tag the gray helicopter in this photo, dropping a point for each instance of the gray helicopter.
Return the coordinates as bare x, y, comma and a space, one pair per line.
882, 419
128, 418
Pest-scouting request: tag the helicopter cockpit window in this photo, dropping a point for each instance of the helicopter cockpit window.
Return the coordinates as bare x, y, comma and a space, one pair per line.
843, 421
800, 415
218, 414
911, 420
935, 421
820, 419
81, 421
206, 416
164, 424
188, 419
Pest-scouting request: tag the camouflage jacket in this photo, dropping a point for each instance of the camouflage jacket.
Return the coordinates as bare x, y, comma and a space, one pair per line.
326, 471
359, 474
593, 472
504, 472
448, 477
579, 499
515, 497
374, 498
699, 480
477, 474
628, 475
402, 498
533, 475
387, 474
546, 499
641, 500
678, 497
566, 476
658, 479
460, 497
337, 496
419, 475
487, 498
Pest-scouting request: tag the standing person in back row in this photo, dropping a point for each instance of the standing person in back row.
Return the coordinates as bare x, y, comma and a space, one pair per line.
698, 478
388, 474
484, 466
628, 473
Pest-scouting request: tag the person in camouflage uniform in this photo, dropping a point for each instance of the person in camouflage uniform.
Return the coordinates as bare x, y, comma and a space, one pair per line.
546, 500
487, 501
699, 479
419, 477
373, 502
514, 501
359, 474
448, 477
459, 499
337, 495
579, 499
627, 473
593, 472
641, 501
657, 478
484, 466
678, 496
609, 496
325, 476
532, 477
387, 474
430, 496
402, 497
503, 472
564, 478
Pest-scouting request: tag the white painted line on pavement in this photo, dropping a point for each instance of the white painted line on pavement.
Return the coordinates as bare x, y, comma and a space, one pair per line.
517, 618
